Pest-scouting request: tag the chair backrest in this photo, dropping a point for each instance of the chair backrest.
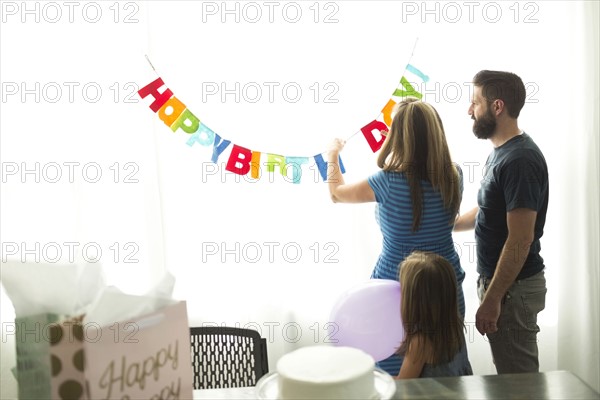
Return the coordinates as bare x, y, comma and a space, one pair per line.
224, 357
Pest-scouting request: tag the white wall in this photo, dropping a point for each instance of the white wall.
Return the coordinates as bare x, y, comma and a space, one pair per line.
178, 209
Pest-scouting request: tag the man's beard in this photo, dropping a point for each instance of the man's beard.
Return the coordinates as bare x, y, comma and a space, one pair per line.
484, 126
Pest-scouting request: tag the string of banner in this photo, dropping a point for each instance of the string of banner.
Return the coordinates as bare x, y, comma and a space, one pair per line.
244, 161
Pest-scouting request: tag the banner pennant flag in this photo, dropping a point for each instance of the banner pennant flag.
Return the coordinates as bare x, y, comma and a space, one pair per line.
244, 161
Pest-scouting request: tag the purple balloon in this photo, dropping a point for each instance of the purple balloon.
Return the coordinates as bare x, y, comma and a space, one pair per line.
367, 317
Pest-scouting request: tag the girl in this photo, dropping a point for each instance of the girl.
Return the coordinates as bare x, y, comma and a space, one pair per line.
434, 343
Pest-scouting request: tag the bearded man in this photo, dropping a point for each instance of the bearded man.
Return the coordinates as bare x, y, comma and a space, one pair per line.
508, 222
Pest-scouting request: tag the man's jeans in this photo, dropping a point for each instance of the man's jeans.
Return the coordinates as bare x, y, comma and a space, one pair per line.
514, 345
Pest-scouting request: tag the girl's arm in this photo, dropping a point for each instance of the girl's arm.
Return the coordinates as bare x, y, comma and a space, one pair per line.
414, 359
341, 192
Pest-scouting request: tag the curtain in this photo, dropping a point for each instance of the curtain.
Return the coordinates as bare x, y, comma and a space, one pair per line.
579, 263
79, 170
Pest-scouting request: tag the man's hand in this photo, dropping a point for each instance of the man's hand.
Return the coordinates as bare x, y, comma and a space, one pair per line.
486, 319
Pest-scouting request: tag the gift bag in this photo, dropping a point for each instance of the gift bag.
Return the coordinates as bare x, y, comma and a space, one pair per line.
118, 346
146, 358
43, 294
33, 366
66, 354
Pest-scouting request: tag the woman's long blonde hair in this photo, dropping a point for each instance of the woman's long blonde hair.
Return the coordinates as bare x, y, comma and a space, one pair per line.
416, 145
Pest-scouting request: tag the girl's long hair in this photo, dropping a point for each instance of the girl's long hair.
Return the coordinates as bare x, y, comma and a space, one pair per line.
416, 145
429, 306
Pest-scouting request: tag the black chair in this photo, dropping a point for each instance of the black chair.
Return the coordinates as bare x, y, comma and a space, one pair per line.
226, 357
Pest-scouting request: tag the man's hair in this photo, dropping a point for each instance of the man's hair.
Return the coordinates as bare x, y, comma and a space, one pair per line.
505, 86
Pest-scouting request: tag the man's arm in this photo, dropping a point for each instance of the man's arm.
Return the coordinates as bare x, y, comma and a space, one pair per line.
466, 221
521, 225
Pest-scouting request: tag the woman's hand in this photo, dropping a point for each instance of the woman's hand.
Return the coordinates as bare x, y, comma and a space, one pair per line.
360, 192
336, 146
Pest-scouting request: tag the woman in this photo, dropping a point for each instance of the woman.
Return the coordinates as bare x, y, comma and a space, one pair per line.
418, 193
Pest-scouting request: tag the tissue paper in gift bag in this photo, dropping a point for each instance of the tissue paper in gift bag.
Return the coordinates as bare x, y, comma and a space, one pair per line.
148, 357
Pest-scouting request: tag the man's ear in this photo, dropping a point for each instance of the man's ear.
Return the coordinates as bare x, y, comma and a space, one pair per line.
498, 106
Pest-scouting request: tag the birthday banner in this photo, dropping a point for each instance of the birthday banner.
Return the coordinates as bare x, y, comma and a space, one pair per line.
244, 161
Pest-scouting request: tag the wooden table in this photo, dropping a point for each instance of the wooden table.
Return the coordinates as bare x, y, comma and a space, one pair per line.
544, 385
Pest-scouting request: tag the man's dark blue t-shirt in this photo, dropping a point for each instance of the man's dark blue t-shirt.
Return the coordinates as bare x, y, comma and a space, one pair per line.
515, 176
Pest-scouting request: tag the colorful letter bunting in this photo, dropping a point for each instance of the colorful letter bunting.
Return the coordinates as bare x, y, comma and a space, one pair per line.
244, 161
